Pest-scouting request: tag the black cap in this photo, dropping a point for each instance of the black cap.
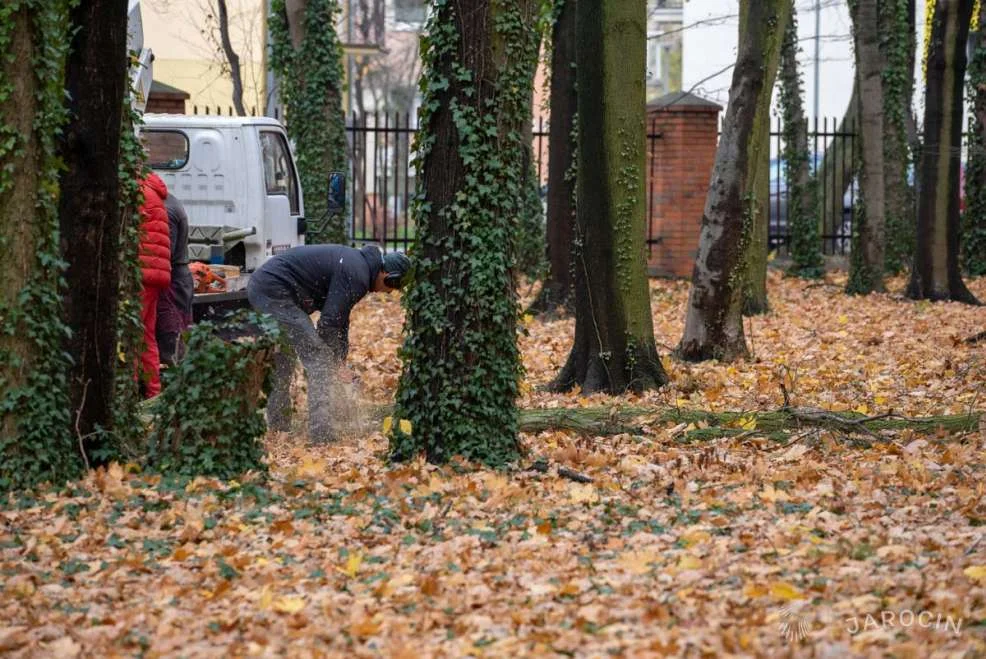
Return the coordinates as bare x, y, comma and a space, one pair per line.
397, 266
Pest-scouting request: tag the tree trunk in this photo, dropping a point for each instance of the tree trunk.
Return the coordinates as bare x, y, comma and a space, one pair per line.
232, 59
35, 440
806, 247
758, 185
897, 43
869, 236
461, 363
714, 322
557, 288
90, 211
935, 274
614, 349
974, 216
837, 169
308, 63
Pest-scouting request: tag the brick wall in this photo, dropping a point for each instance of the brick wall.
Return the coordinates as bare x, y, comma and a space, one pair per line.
679, 168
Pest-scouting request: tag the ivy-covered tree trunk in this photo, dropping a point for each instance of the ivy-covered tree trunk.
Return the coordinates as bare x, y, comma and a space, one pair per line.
556, 291
758, 179
897, 43
36, 444
935, 274
806, 245
714, 320
461, 362
974, 217
866, 263
614, 349
89, 209
307, 57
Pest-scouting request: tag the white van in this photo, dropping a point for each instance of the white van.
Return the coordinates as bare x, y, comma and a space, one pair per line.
238, 182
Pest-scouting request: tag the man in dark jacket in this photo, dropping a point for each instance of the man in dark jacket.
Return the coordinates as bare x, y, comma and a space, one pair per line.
174, 307
327, 278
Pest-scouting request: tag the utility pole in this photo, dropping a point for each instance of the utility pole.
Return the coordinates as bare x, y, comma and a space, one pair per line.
818, 26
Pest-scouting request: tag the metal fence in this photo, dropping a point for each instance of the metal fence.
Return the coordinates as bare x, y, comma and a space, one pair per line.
381, 180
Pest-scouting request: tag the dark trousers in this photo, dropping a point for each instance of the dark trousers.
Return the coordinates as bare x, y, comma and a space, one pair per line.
272, 297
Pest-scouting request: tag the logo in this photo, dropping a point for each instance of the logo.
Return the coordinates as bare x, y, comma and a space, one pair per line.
793, 625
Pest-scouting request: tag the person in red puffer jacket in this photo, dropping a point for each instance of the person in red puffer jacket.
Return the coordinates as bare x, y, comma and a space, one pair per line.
155, 268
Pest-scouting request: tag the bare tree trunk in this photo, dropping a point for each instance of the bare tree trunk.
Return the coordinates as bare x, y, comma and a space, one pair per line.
557, 288
935, 274
758, 184
89, 207
714, 322
232, 59
869, 237
614, 349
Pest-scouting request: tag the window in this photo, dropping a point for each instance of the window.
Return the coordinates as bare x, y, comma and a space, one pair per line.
278, 168
409, 11
655, 54
166, 149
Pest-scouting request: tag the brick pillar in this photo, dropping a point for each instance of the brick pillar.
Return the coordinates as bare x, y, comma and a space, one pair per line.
679, 169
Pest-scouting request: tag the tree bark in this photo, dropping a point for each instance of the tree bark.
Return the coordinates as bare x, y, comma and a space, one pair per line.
714, 322
758, 185
35, 440
89, 207
897, 44
614, 349
869, 236
556, 290
974, 215
935, 274
461, 362
232, 59
802, 202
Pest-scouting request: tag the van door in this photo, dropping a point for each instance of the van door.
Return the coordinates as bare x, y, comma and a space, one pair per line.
282, 206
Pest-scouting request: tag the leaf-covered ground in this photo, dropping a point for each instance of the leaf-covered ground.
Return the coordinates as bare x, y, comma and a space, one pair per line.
814, 543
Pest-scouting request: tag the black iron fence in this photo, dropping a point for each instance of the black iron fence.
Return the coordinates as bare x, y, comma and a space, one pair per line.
381, 180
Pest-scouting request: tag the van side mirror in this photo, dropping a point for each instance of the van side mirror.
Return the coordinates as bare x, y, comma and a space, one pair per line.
337, 193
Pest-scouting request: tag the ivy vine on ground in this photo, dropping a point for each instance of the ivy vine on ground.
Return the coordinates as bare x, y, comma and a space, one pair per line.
35, 440
461, 362
311, 83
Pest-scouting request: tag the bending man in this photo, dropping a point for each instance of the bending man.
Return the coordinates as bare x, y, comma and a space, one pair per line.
296, 283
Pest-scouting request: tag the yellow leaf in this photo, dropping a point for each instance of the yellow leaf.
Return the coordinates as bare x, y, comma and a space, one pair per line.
754, 590
311, 468
388, 423
583, 493
748, 423
785, 591
405, 426
862, 409
689, 563
266, 600
880, 399
639, 562
352, 565
975, 572
289, 604
843, 319
695, 537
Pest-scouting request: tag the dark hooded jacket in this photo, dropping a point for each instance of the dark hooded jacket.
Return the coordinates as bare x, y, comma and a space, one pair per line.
326, 278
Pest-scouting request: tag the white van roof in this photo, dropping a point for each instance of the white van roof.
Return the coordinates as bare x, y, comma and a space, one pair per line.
205, 121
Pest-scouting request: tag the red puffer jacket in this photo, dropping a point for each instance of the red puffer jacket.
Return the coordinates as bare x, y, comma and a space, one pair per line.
155, 240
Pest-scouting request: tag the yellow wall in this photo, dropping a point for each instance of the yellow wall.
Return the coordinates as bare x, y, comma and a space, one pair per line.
185, 58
